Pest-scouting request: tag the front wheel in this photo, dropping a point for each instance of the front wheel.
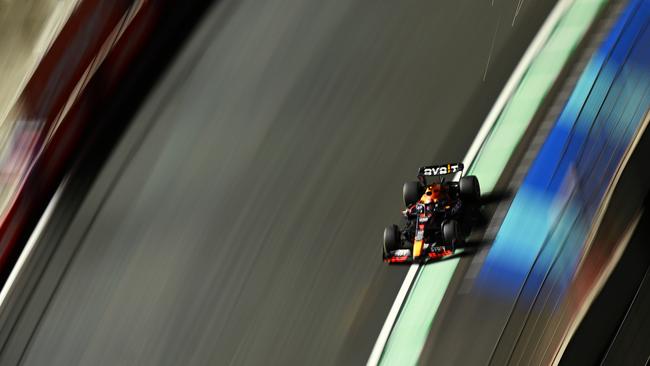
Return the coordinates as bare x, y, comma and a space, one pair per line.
392, 239
451, 234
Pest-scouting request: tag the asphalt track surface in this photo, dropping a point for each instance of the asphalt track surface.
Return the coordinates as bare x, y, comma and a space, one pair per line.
239, 219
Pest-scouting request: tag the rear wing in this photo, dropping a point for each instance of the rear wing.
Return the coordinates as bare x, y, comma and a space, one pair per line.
438, 170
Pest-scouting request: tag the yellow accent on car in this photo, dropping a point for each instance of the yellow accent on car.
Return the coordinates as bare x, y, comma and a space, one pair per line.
417, 248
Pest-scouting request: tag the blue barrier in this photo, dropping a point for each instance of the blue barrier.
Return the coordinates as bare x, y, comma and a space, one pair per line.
544, 232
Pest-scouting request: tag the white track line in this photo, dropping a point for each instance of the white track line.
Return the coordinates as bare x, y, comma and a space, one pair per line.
533, 49
523, 65
29, 246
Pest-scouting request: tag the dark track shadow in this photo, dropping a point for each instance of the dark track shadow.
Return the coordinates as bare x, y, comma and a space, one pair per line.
487, 207
495, 197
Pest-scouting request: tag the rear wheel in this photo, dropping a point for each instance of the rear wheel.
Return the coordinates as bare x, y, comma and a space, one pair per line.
412, 192
470, 190
451, 234
392, 239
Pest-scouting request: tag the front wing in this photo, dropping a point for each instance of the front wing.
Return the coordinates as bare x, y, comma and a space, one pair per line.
406, 255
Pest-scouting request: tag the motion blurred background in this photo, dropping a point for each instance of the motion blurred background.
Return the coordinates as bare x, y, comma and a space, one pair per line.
207, 182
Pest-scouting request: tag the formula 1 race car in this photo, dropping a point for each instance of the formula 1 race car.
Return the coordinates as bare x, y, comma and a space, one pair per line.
439, 216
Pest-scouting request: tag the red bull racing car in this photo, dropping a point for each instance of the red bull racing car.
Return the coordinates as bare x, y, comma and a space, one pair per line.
438, 218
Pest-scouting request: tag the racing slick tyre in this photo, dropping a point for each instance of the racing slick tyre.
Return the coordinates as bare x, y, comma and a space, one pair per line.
470, 190
451, 234
411, 192
392, 239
